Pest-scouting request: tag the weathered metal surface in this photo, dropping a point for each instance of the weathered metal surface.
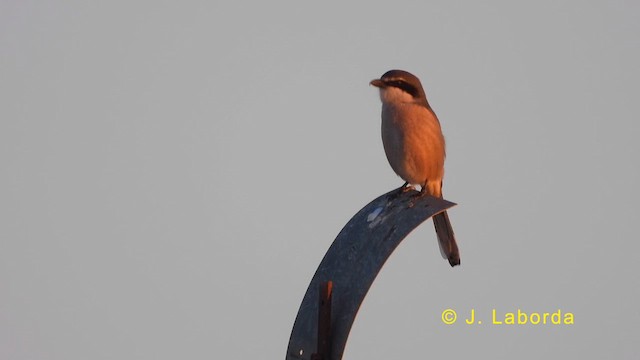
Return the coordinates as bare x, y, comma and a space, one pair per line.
353, 262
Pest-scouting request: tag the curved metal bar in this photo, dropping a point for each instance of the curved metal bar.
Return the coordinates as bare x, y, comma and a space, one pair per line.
352, 264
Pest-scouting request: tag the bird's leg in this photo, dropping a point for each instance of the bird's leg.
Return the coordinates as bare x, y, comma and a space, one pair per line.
406, 188
424, 191
403, 188
433, 188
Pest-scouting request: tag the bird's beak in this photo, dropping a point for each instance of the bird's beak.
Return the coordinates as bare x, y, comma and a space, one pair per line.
377, 83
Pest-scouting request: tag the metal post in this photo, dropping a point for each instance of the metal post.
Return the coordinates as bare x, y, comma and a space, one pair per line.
349, 268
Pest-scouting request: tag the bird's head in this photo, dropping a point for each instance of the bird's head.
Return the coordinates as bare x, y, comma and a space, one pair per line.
398, 86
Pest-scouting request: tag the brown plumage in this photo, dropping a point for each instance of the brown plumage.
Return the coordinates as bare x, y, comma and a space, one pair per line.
415, 146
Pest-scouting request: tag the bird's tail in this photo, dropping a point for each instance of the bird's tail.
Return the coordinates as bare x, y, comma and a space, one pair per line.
446, 238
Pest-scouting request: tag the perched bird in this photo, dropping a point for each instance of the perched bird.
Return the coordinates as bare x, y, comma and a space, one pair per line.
414, 145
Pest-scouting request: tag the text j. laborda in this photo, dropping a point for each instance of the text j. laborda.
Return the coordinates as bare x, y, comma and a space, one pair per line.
519, 317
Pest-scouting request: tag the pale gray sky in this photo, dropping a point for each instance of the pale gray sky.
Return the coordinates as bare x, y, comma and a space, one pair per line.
172, 174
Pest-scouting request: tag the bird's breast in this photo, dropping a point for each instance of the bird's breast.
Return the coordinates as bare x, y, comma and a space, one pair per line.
413, 142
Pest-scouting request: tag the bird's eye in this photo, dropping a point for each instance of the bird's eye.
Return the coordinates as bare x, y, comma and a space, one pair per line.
405, 86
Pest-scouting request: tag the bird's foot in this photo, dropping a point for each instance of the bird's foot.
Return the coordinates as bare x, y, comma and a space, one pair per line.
405, 188
408, 188
401, 190
417, 196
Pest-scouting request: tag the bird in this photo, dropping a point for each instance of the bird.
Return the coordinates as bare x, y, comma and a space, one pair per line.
415, 146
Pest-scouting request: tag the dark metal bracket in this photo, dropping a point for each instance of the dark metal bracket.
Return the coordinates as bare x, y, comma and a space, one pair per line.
348, 269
